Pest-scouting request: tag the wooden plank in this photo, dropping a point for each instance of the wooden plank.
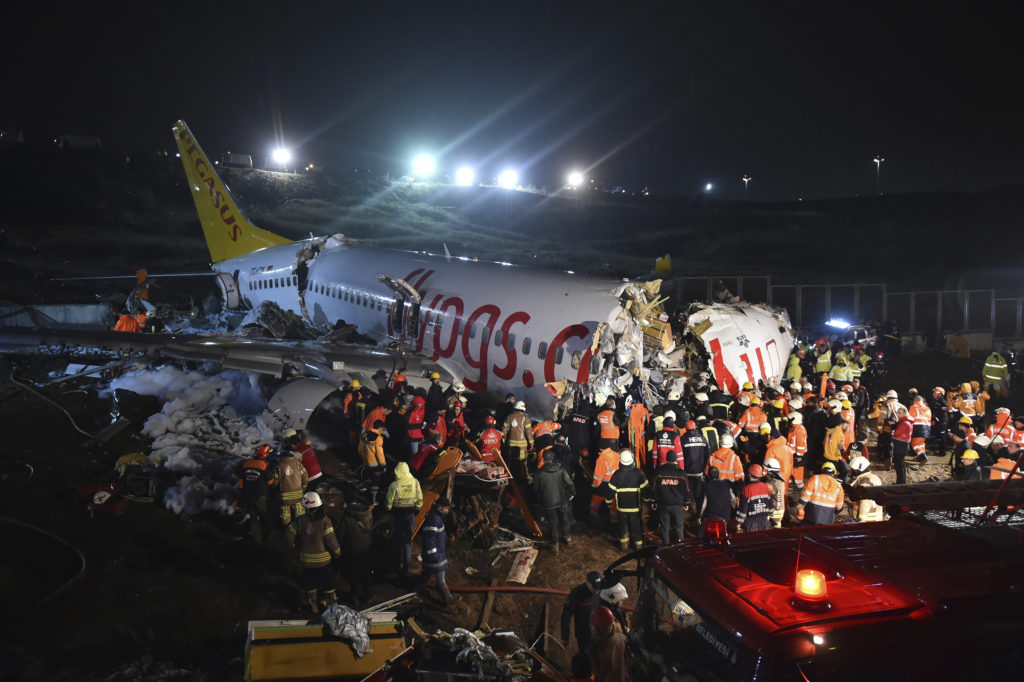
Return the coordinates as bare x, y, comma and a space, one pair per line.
488, 605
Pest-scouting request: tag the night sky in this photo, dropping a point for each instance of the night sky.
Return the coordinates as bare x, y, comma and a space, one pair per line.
801, 96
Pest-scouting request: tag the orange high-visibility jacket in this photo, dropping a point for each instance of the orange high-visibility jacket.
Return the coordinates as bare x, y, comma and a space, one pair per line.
824, 490
606, 418
798, 439
607, 464
752, 419
780, 450
728, 464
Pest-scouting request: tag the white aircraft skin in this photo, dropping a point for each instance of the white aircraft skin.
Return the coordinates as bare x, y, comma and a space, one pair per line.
492, 326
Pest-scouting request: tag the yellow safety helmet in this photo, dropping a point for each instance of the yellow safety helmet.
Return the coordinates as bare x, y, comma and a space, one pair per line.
747, 386
356, 384
969, 454
764, 428
965, 420
755, 400
846, 404
829, 467
435, 375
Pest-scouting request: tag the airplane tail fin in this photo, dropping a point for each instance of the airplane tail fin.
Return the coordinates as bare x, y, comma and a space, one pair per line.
228, 232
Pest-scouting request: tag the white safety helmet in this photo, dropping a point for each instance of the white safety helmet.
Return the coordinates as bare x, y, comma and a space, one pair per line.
796, 417
289, 432
796, 404
892, 395
835, 404
669, 414
673, 396
706, 376
795, 386
101, 497
841, 395
744, 400
459, 387
772, 464
520, 405
701, 397
626, 458
860, 464
311, 500
982, 441
614, 594
728, 441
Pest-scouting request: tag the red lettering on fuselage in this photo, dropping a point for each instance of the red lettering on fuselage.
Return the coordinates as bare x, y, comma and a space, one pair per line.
426, 321
760, 362
493, 312
722, 374
575, 331
446, 351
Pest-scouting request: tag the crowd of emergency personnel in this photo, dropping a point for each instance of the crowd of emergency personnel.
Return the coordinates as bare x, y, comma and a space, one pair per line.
701, 461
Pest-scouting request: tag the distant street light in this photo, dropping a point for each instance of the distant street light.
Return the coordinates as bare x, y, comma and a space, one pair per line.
708, 187
878, 175
746, 183
508, 179
575, 179
465, 176
423, 165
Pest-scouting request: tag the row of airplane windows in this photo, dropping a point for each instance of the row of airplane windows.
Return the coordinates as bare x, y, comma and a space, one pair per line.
371, 301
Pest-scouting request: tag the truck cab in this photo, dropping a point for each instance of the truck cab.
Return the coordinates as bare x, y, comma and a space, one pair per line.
906, 599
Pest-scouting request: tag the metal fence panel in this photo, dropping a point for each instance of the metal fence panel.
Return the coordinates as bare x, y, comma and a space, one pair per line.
979, 310
755, 289
953, 310
871, 297
842, 299
785, 296
813, 312
900, 309
1007, 323
926, 313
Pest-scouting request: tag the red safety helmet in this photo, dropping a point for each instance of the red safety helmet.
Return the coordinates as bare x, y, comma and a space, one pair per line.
490, 421
263, 451
602, 618
756, 471
691, 425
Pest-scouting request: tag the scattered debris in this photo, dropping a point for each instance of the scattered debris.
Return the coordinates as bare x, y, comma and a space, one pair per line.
521, 567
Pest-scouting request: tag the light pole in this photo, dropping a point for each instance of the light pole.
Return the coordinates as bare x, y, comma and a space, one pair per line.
878, 174
746, 184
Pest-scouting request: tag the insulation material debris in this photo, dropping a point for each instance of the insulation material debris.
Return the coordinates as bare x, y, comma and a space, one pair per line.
205, 429
471, 652
349, 625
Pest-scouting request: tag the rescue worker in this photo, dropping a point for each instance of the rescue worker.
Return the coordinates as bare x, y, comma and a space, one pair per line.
793, 370
399, 382
424, 461
865, 510
355, 535
490, 440
822, 497
720, 403
667, 440
696, 452
701, 407
1002, 425
255, 483
579, 604
607, 464
750, 423
455, 423
755, 502
434, 539
777, 484
314, 537
415, 422
835, 439
995, 372
966, 403
902, 434
518, 437
849, 434
982, 400
796, 439
578, 429
505, 409
297, 441
554, 489
566, 458
1005, 464
860, 398
371, 450
638, 418
127, 323
840, 372
626, 486
822, 359
435, 394
672, 498
940, 419
404, 499
719, 500
779, 450
608, 648
293, 485
608, 424
544, 436
728, 464
969, 470
921, 416
962, 437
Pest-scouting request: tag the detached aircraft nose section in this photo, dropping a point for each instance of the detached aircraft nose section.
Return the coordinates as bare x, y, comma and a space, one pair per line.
293, 404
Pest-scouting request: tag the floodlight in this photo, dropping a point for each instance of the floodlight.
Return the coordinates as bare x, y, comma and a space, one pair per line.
281, 156
464, 176
508, 179
423, 165
575, 179
838, 323
707, 187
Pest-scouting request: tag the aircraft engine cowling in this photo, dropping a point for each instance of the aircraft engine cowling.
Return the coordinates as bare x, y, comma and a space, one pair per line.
229, 291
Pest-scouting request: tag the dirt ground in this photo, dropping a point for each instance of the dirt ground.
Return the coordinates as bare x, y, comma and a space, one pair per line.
149, 595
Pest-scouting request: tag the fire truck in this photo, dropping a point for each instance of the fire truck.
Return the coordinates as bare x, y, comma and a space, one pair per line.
923, 596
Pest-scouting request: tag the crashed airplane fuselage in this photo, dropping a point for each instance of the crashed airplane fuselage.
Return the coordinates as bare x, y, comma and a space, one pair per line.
494, 327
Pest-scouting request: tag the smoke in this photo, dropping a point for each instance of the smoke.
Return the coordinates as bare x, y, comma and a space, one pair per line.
208, 425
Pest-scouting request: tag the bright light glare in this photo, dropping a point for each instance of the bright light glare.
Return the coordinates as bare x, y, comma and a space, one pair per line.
464, 176
281, 156
707, 187
838, 323
818, 640
508, 179
575, 179
423, 165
